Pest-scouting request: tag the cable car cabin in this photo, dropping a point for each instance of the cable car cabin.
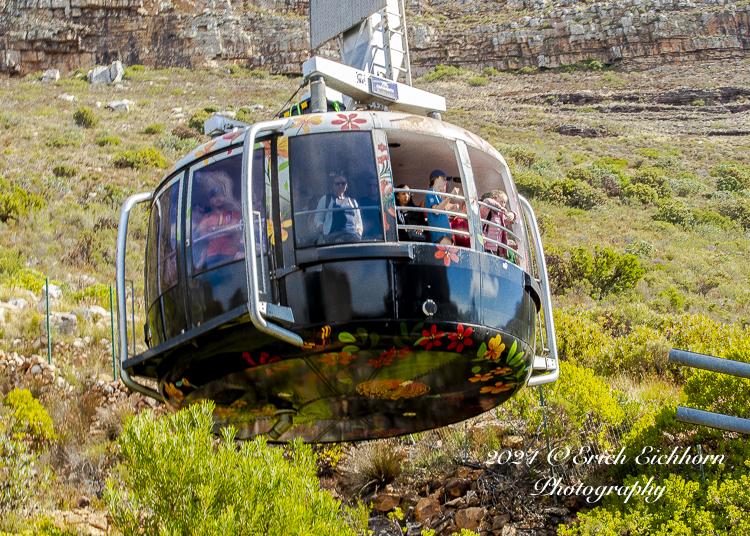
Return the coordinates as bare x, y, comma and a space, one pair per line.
286, 282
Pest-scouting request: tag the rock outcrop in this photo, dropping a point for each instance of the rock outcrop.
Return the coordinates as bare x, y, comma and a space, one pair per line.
273, 34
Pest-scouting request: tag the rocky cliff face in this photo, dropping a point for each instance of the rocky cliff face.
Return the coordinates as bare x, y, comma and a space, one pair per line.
273, 34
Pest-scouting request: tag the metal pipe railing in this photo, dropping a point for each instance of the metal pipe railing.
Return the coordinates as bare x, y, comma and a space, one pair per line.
546, 296
253, 299
720, 366
122, 321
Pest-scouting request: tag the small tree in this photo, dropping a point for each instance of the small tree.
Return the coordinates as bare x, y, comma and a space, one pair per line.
175, 481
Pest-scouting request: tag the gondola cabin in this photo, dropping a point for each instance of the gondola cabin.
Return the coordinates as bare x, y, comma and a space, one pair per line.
341, 275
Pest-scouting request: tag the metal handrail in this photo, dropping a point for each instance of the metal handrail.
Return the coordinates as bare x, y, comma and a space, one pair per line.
546, 297
122, 321
253, 299
719, 365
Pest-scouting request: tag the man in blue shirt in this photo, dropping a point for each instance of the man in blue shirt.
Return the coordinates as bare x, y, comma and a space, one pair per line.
439, 183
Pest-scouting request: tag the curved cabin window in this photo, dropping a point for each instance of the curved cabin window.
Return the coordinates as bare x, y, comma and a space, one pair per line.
335, 194
216, 214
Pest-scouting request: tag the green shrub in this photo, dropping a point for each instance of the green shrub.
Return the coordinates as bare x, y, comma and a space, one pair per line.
15, 202
642, 193
580, 174
477, 81
98, 293
66, 139
211, 109
12, 262
31, 422
686, 185
9, 121
236, 69
86, 117
641, 249
174, 480
140, 159
731, 177
526, 70
443, 71
64, 171
575, 193
698, 102
519, 155
676, 213
246, 115
171, 143
529, 184
259, 74
490, 72
654, 178
738, 211
108, 140
155, 128
607, 271
198, 119
610, 161
710, 218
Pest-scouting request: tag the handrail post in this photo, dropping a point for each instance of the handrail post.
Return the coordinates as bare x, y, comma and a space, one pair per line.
546, 296
122, 319
253, 300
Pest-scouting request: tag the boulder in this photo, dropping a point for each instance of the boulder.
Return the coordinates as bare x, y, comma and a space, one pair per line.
427, 507
92, 312
116, 72
63, 323
120, 105
18, 302
457, 487
55, 292
385, 502
469, 518
99, 75
50, 75
67, 97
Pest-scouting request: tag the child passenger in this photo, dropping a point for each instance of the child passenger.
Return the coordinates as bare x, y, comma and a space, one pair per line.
500, 215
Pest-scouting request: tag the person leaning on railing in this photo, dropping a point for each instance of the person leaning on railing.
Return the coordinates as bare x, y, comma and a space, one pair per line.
439, 183
409, 217
500, 215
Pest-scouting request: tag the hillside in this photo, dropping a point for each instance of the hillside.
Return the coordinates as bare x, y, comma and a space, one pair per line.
273, 36
653, 163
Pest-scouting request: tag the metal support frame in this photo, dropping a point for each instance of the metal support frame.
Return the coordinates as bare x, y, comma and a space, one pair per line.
546, 297
720, 366
122, 321
254, 305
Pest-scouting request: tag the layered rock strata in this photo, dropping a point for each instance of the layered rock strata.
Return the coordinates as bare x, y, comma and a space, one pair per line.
273, 35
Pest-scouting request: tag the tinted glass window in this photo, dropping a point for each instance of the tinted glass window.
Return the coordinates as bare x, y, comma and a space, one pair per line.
167, 237
335, 192
216, 213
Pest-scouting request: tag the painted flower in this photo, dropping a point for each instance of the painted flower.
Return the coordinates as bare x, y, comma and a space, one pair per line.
447, 253
481, 377
306, 121
231, 136
500, 370
247, 357
382, 159
382, 147
349, 122
485, 405
499, 387
389, 354
174, 392
265, 358
460, 338
282, 148
342, 358
383, 361
430, 338
205, 149
286, 224
386, 188
403, 352
494, 348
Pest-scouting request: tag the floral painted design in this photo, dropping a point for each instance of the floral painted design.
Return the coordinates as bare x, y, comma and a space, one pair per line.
378, 362
460, 338
388, 433
202, 151
333, 359
304, 122
431, 338
500, 370
482, 377
392, 389
499, 387
286, 224
349, 122
264, 359
448, 254
494, 348
174, 392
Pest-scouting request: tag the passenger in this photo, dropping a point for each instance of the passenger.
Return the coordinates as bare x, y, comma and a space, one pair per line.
500, 215
410, 217
459, 223
344, 222
439, 183
221, 229
371, 226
